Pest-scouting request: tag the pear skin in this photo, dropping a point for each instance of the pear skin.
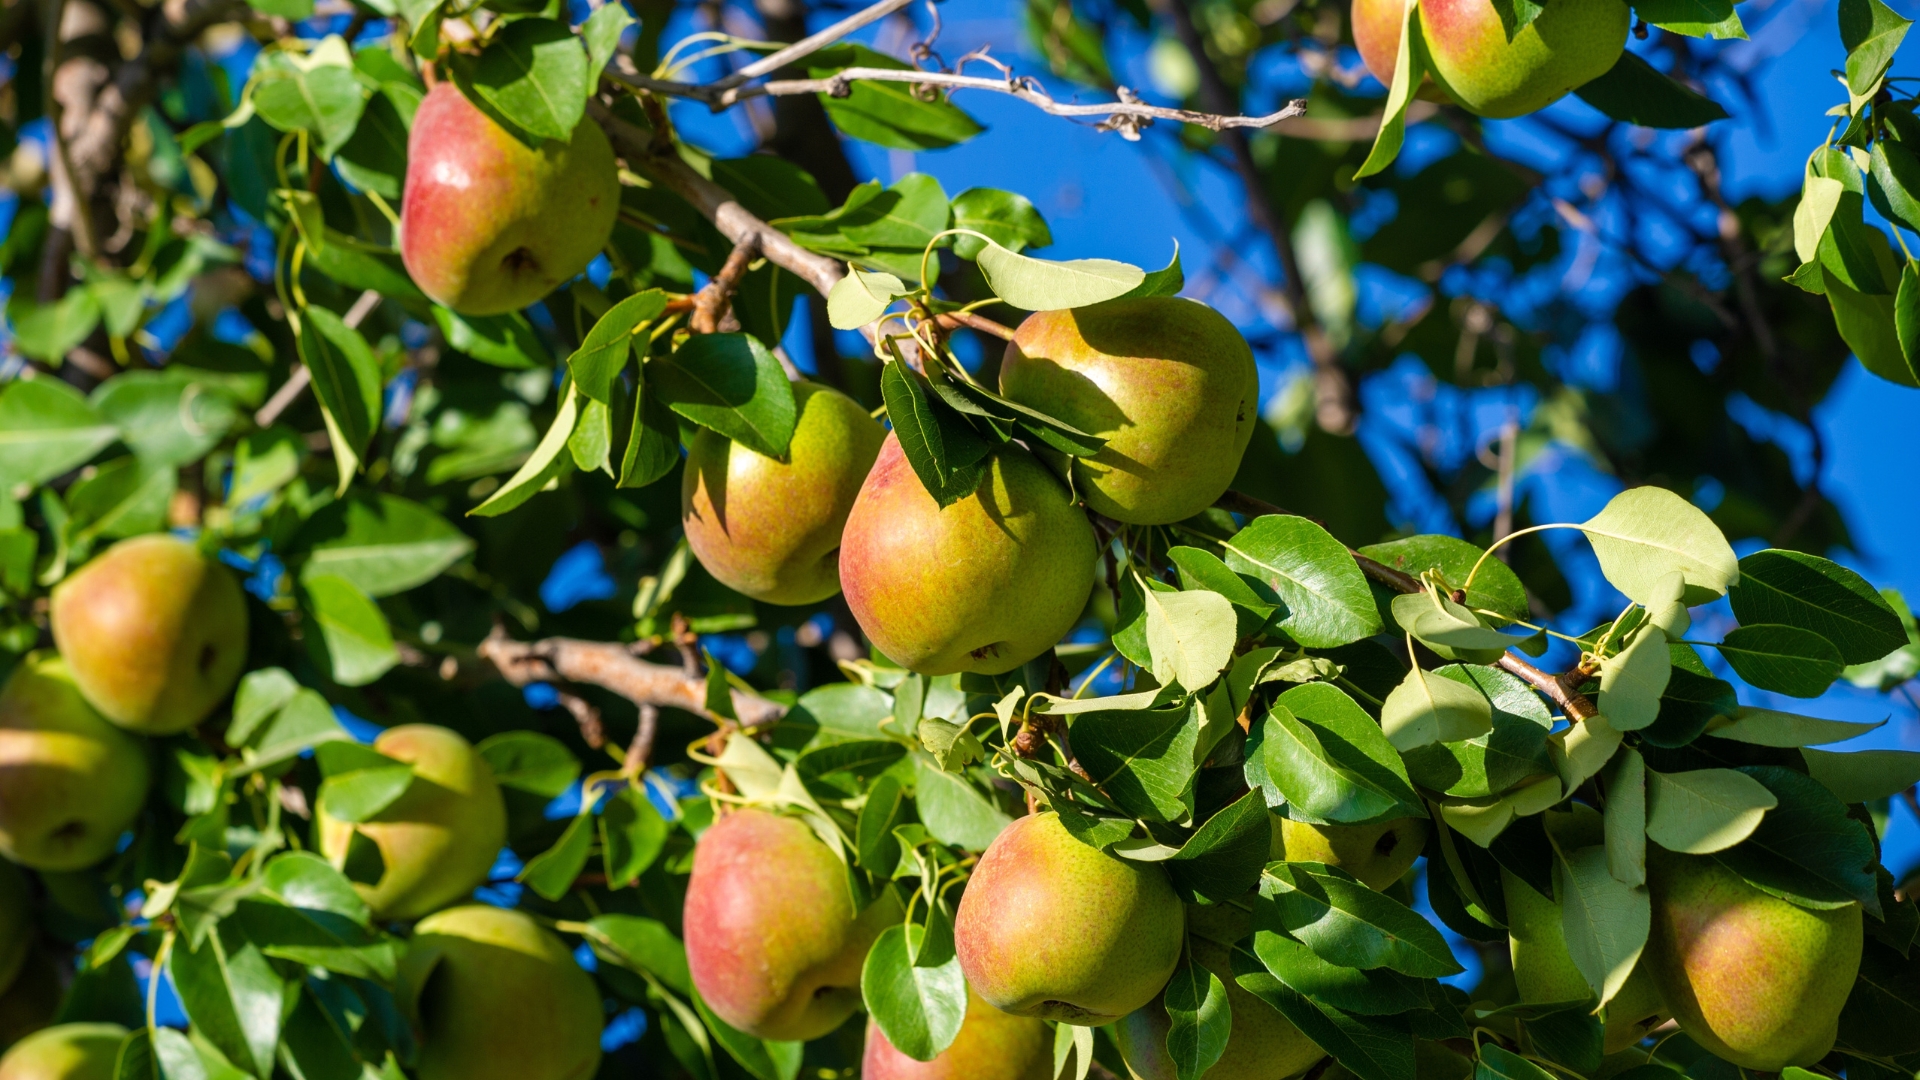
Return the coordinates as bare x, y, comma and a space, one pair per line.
494, 996
774, 944
1378, 855
1545, 974
65, 1052
154, 632
771, 529
440, 838
70, 782
1569, 45
1053, 928
992, 1045
1263, 1045
1169, 383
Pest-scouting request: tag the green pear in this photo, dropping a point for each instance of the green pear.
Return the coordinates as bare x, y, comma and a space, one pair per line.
70, 782
17, 929
992, 1045
1750, 977
1378, 855
65, 1052
1053, 928
494, 996
439, 838
1262, 1045
1572, 43
154, 632
1169, 383
1544, 971
489, 224
770, 528
983, 585
774, 944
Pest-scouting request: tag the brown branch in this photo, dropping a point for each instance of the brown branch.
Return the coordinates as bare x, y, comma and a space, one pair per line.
953, 320
640, 750
609, 665
713, 301
592, 731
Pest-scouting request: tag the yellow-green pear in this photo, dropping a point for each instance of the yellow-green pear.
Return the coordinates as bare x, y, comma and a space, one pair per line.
1053, 928
774, 944
1750, 977
1378, 855
992, 1045
154, 631
494, 996
65, 1052
1169, 383
1262, 1045
1572, 43
771, 528
439, 838
1545, 973
70, 782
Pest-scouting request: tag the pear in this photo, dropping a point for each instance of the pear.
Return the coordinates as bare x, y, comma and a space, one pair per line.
1378, 855
1053, 928
489, 224
1168, 382
154, 632
65, 1052
438, 840
1544, 971
1750, 977
992, 1045
771, 528
70, 782
1263, 1045
494, 996
983, 585
1572, 43
774, 944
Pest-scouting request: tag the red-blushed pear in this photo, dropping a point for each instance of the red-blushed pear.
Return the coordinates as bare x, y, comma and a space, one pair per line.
488, 224
65, 1052
154, 632
493, 995
437, 841
1376, 34
1052, 928
1378, 855
983, 585
992, 1045
1572, 43
70, 782
1169, 383
1263, 1045
1544, 971
1752, 978
774, 944
771, 528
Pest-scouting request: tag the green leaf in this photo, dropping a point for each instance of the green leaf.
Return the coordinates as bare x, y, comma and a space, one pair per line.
1765, 727
232, 995
1199, 1021
1435, 620
506, 341
952, 809
1427, 709
531, 762
1143, 758
1372, 1048
945, 451
1409, 72
653, 446
641, 944
762, 1059
1632, 681
1906, 316
1646, 533
317, 93
888, 114
601, 34
591, 444
261, 694
305, 721
1784, 659
1625, 821
919, 1009
47, 428
632, 835
1633, 92
1694, 18
1007, 218
1346, 923
1893, 177
125, 497
553, 872
1496, 587
731, 384
315, 1046
1191, 635
1806, 849
1867, 324
50, 331
548, 462
906, 216
1223, 858
353, 633
359, 794
1882, 1013
1872, 33
383, 544
375, 158
1378, 992
1705, 810
1498, 1063
1335, 775
860, 297
603, 354
166, 417
1605, 920
1806, 591
533, 73
1042, 285
1864, 775
1514, 751
346, 379
303, 879
1327, 599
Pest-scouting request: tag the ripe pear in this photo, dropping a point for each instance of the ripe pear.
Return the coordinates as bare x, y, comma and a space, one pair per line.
495, 996
70, 783
983, 585
1570, 44
1544, 970
774, 944
771, 528
1376, 35
992, 1045
1169, 383
1263, 1045
65, 1052
1752, 978
1053, 928
439, 838
1378, 855
488, 224
154, 632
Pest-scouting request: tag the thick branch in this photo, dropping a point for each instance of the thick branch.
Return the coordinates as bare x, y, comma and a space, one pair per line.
609, 665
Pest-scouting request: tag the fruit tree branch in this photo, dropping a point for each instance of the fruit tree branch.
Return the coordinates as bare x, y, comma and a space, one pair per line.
710, 304
812, 43
609, 665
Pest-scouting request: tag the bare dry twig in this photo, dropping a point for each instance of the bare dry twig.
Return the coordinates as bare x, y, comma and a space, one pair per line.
610, 665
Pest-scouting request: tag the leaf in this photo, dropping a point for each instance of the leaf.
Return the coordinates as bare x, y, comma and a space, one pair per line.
1872, 33
1866, 323
1142, 758
1906, 316
1765, 727
1435, 620
632, 835
303, 879
305, 720
232, 995
1633, 92
357, 795
952, 809
1514, 751
1892, 179
1806, 849
1604, 919
1346, 923
1625, 822
1426, 709
653, 446
166, 417
317, 93
553, 872
46, 429
1811, 593
1409, 72
1632, 681
946, 453
601, 34
382, 544
1705, 810
534, 73
124, 497
1166, 281
1007, 218
354, 633
50, 331
1694, 18
1041, 285
1499, 1063
731, 384
888, 114
1882, 1012
545, 465
1327, 599
1645, 533
1223, 858
1864, 775
375, 159
919, 1009
506, 341
1327, 779
1199, 1021
1783, 659
531, 762
346, 379
1372, 1048
603, 353
1191, 635
860, 297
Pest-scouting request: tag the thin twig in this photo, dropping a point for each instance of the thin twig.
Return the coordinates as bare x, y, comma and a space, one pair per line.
609, 665
953, 319
640, 750
592, 731
711, 303
812, 43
